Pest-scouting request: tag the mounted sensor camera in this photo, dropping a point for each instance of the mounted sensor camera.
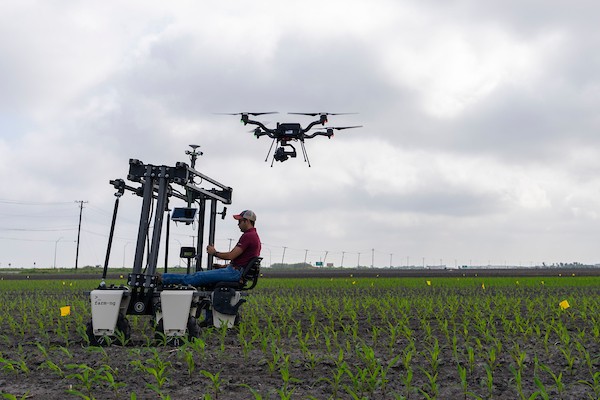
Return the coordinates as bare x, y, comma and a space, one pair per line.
282, 155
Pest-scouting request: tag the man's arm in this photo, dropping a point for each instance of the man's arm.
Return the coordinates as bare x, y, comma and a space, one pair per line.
233, 254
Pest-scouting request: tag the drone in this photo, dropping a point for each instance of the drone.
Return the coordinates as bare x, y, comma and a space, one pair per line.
284, 133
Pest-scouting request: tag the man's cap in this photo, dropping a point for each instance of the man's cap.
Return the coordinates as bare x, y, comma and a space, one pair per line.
248, 214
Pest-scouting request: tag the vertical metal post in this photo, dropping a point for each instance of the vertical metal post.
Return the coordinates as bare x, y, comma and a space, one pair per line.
161, 203
143, 229
200, 242
110, 236
211, 229
167, 241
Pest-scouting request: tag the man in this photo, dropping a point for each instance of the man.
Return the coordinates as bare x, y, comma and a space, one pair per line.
245, 250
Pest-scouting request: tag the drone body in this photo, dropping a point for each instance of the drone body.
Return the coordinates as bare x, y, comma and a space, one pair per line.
284, 133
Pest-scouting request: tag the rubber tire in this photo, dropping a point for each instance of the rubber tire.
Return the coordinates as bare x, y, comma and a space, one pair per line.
193, 329
123, 326
159, 331
98, 341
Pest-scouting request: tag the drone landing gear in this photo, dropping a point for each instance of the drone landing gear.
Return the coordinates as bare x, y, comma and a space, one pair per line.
269, 152
281, 154
305, 153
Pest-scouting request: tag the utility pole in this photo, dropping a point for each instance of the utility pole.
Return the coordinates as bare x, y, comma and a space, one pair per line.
55, 246
283, 255
342, 264
372, 258
78, 230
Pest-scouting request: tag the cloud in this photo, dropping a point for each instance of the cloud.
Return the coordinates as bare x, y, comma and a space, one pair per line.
479, 120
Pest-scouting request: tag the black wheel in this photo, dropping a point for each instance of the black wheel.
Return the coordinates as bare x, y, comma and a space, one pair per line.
193, 331
123, 327
124, 330
161, 339
193, 328
95, 340
159, 332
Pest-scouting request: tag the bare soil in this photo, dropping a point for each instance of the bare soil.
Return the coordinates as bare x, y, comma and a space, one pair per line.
225, 355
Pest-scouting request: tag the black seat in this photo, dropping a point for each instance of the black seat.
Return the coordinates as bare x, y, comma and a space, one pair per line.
248, 279
250, 274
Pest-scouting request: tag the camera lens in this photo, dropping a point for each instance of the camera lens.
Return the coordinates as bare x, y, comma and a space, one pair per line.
280, 154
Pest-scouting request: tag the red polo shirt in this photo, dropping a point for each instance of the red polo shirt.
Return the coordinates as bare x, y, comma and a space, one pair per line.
250, 244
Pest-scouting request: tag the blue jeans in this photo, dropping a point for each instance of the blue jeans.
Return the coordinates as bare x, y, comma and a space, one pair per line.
201, 278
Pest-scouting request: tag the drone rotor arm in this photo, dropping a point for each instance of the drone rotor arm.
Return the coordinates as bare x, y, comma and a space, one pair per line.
258, 133
321, 121
329, 134
329, 131
266, 130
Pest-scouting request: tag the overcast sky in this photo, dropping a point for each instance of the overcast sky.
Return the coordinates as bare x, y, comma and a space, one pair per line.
480, 142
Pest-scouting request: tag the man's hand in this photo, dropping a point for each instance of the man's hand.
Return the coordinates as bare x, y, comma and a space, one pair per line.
210, 249
232, 255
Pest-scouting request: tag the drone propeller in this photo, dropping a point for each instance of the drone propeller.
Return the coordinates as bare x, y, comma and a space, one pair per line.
249, 113
244, 116
320, 113
342, 127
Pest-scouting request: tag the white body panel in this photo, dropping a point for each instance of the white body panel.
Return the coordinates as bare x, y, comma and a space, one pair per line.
105, 310
175, 305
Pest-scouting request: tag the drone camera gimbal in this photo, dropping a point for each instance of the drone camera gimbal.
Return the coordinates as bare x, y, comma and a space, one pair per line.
282, 155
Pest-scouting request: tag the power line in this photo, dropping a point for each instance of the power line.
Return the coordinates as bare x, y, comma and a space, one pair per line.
26, 240
33, 203
38, 230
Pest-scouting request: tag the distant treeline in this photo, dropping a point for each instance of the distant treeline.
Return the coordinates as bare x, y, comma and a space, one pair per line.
292, 266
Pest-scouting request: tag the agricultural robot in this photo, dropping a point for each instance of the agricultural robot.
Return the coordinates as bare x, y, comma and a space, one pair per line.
176, 309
